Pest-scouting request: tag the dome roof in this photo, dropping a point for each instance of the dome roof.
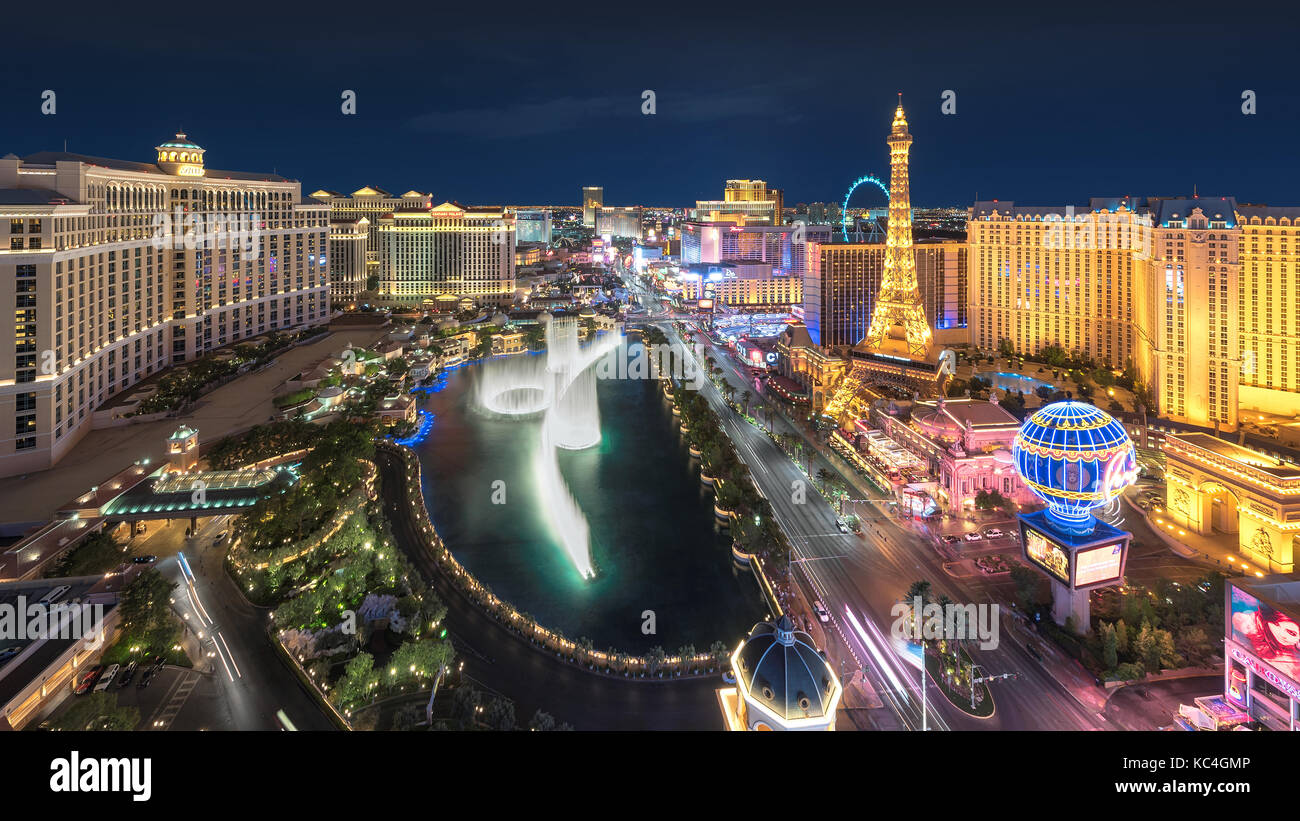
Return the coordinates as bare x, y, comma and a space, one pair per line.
781, 669
181, 141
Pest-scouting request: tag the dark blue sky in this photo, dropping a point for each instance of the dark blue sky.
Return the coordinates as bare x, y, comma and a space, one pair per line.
488, 104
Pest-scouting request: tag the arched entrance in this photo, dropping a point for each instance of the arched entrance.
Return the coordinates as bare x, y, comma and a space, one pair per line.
1221, 513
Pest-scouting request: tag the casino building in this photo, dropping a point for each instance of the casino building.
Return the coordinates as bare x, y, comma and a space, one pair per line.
115, 270
1262, 649
1213, 485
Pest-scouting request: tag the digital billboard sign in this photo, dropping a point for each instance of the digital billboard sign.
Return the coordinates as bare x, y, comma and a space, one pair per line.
1047, 554
1271, 635
1098, 564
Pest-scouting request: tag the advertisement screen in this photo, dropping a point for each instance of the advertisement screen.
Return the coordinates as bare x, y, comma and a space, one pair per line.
1047, 554
1100, 564
1273, 636
706, 305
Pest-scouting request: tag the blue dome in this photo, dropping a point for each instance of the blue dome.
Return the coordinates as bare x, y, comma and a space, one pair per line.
1075, 457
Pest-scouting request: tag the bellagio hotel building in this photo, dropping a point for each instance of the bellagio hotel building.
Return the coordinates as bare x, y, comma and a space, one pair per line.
1201, 295
106, 289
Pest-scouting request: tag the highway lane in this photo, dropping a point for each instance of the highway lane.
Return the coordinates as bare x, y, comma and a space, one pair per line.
862, 577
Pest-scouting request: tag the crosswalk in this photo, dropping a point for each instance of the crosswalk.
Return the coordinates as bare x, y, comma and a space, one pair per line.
180, 693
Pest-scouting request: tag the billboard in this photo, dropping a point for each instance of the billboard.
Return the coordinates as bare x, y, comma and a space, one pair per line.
1047, 554
1098, 564
1271, 635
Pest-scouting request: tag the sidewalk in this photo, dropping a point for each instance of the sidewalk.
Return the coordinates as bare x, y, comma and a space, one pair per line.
1218, 552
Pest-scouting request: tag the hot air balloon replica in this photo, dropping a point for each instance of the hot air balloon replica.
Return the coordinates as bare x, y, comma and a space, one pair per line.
1076, 458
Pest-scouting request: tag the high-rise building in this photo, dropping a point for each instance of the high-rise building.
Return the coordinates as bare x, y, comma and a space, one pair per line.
369, 203
117, 269
1268, 308
533, 225
347, 259
593, 197
784, 247
745, 286
619, 222
1067, 276
1189, 335
751, 200
446, 251
842, 281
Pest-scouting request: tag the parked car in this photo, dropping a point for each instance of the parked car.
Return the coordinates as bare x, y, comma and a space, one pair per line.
107, 678
144, 559
127, 674
951, 538
88, 680
973, 536
822, 615
993, 533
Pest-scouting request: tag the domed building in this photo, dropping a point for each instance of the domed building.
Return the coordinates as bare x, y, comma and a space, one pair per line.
783, 682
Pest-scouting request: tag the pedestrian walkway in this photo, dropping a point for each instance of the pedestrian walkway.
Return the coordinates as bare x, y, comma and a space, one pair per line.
166, 713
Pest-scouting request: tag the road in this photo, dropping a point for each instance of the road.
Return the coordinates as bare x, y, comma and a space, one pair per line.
252, 680
861, 577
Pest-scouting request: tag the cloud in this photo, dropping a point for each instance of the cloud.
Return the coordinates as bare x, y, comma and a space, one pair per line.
561, 114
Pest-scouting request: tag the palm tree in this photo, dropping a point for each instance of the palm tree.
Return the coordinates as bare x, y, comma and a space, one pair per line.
823, 477
745, 398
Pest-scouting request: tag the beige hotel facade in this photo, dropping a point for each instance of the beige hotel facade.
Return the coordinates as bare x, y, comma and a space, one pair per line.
104, 296
1201, 295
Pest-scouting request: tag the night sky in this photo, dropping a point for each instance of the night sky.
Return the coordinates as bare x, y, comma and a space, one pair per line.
488, 104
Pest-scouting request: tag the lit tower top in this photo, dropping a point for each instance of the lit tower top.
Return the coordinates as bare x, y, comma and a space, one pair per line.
181, 156
898, 325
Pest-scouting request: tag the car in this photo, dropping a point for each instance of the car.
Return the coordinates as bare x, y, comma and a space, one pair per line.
127, 674
145, 677
107, 678
822, 615
728, 678
88, 680
993, 533
144, 559
843, 527
951, 538
141, 527
221, 537
8, 653
972, 536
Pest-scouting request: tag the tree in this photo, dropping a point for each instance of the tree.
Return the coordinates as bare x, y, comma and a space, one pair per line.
1027, 585
919, 589
419, 661
823, 477
543, 722
1121, 637
1109, 646
499, 714
1006, 349
358, 681
746, 398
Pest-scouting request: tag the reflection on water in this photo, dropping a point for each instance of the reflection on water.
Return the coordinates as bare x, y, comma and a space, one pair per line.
653, 536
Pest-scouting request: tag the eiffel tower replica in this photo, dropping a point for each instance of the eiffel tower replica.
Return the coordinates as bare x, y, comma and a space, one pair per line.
898, 349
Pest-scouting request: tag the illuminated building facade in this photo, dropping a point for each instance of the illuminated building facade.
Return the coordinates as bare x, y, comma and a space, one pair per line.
784, 247
533, 226
966, 445
1261, 674
750, 200
369, 203
1212, 485
1268, 308
117, 269
618, 222
1077, 278
593, 198
347, 260
842, 281
1192, 319
746, 286
446, 251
